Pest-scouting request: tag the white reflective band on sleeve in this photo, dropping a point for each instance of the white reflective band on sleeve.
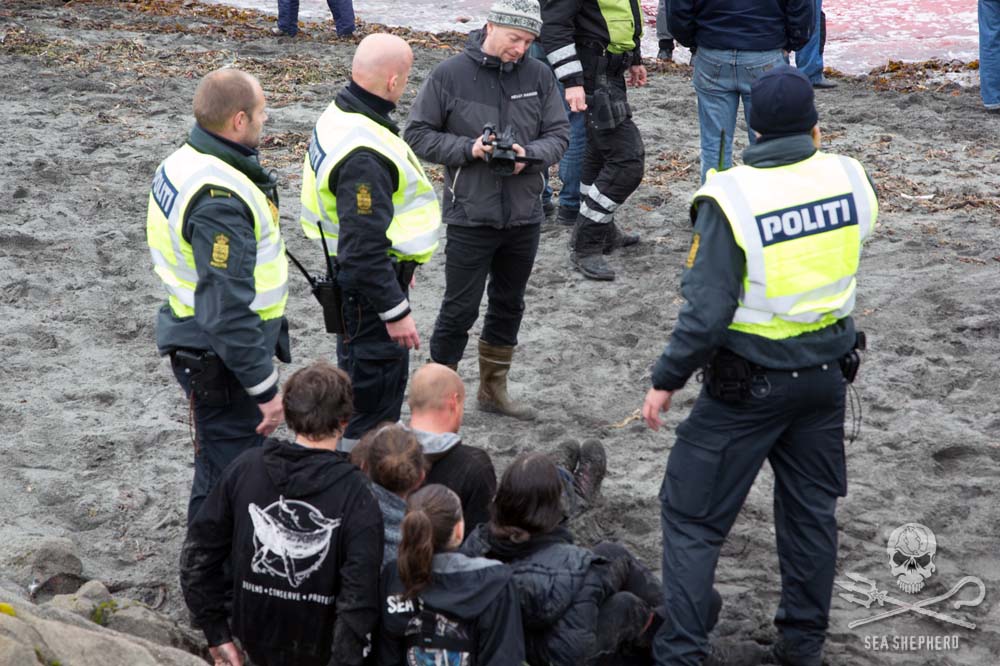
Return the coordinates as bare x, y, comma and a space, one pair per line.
572, 67
271, 380
601, 200
269, 298
181, 270
562, 53
418, 245
182, 294
395, 312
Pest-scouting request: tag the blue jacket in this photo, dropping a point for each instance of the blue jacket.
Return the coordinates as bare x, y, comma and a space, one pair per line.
745, 25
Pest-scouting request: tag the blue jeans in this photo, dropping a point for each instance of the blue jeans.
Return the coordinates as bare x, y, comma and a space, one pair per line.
721, 79
989, 52
809, 60
288, 16
572, 160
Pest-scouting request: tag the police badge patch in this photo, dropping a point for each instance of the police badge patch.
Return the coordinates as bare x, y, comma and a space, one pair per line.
364, 192
220, 252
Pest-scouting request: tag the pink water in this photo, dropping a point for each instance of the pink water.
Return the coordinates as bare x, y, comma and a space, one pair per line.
862, 34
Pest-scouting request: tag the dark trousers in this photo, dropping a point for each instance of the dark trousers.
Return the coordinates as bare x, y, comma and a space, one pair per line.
506, 256
222, 434
377, 365
796, 423
613, 163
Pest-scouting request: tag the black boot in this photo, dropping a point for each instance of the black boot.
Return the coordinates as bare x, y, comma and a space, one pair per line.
588, 247
616, 239
666, 50
590, 470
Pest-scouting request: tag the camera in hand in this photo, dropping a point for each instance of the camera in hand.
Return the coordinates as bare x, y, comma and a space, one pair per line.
503, 159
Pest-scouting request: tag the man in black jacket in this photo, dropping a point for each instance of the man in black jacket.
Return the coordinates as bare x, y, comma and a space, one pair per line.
592, 46
212, 228
305, 534
493, 208
363, 188
737, 41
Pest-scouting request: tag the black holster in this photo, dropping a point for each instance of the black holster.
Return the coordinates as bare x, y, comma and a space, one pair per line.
208, 376
728, 377
850, 362
604, 110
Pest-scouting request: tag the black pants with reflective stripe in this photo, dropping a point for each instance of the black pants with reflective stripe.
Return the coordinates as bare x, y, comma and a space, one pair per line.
615, 158
378, 367
796, 423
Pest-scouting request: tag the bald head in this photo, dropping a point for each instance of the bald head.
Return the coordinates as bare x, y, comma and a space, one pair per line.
222, 94
433, 387
382, 65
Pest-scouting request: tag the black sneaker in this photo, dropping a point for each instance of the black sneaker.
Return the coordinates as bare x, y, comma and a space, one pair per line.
590, 470
567, 216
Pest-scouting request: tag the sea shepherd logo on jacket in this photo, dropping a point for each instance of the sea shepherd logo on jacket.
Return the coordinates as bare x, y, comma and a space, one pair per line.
291, 539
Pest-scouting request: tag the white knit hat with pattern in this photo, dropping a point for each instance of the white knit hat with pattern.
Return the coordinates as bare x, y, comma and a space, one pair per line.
521, 14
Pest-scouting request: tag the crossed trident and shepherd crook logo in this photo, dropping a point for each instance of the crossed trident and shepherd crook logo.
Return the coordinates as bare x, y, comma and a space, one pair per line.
911, 549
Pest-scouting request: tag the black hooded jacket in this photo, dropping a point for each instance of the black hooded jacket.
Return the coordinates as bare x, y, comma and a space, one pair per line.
476, 593
460, 96
304, 535
560, 586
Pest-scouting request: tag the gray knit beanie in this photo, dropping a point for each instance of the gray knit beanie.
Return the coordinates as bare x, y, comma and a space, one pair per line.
521, 14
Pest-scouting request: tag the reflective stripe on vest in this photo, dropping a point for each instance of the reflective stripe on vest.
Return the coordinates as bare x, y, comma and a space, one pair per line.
414, 230
800, 227
178, 179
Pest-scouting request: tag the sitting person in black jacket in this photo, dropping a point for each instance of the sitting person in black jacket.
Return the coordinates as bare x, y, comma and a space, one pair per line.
439, 606
578, 606
304, 535
392, 458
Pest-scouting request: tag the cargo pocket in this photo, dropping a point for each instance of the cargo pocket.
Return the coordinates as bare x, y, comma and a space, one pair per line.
693, 470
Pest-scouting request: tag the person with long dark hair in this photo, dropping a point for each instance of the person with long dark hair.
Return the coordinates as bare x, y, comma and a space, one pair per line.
440, 606
579, 606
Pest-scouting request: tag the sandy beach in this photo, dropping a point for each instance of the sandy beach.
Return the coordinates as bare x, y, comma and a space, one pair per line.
99, 447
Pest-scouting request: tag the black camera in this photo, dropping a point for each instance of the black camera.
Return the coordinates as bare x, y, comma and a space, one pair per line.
503, 159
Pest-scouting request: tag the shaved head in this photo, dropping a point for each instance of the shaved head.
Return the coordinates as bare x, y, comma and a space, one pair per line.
382, 64
222, 94
432, 386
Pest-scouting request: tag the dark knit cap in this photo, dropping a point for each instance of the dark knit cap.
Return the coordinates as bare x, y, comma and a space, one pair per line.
782, 103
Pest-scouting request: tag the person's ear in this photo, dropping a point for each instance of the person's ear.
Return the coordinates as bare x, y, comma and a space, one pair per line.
391, 84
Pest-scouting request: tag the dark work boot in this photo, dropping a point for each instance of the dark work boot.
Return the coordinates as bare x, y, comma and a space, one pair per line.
616, 239
494, 364
588, 247
590, 470
567, 455
666, 52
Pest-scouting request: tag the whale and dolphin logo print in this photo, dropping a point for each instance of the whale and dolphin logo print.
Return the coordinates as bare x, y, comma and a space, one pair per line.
291, 539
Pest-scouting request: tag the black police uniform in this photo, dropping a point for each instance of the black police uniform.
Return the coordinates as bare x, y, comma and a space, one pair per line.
374, 284
793, 418
576, 37
239, 345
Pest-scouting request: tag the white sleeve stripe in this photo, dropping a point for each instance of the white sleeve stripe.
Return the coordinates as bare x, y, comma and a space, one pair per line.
271, 380
563, 53
394, 312
573, 67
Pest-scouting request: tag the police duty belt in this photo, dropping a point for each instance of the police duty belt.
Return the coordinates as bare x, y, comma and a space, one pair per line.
867, 587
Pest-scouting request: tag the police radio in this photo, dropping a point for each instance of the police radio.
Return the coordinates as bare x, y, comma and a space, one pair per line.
326, 289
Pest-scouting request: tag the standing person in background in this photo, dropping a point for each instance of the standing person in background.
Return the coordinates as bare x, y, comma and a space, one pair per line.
304, 535
493, 208
592, 45
809, 58
737, 41
663, 37
989, 54
440, 606
212, 229
364, 189
769, 289
288, 17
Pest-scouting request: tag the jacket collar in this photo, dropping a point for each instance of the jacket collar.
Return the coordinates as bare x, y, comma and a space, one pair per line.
350, 102
235, 155
474, 49
779, 151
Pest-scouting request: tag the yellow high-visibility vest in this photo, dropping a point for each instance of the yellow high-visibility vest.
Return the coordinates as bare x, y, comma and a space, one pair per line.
801, 227
176, 182
413, 232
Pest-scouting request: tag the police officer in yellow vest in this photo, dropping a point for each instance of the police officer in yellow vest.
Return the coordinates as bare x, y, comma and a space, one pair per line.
212, 228
364, 189
770, 285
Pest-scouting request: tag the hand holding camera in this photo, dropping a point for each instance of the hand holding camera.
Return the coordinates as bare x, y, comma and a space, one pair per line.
505, 156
